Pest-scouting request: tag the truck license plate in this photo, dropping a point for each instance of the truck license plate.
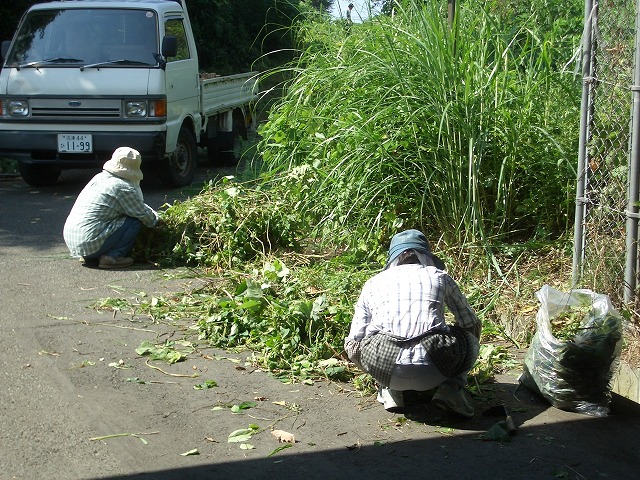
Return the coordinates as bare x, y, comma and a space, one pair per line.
75, 143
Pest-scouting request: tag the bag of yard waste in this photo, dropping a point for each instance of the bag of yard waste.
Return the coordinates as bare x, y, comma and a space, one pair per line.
574, 351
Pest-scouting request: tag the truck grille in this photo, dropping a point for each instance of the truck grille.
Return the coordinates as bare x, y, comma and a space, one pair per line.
75, 109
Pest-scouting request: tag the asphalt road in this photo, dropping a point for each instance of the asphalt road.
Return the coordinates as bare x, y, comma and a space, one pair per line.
70, 407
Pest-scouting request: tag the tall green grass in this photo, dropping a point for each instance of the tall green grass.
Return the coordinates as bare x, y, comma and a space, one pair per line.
468, 132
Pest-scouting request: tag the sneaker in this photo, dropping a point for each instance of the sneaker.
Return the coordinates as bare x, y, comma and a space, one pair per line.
452, 399
119, 262
89, 262
393, 400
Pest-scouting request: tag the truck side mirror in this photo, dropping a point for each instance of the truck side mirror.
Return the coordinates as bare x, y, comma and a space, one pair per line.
169, 46
5, 49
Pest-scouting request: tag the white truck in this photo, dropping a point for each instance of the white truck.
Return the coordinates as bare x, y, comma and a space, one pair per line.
83, 77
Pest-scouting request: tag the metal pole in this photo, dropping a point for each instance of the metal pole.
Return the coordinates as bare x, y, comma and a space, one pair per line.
634, 170
578, 235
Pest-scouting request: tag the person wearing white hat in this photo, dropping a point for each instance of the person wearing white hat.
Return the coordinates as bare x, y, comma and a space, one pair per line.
109, 212
399, 334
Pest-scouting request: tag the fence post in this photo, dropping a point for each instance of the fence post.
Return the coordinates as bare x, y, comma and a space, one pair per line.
634, 170
451, 11
590, 10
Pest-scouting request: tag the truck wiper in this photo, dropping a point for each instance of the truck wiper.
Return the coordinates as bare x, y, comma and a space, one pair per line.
38, 63
122, 61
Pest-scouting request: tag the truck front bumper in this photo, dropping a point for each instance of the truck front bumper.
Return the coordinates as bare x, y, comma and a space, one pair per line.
40, 147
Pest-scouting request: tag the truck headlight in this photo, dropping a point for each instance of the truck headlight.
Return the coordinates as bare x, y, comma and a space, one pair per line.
137, 109
18, 108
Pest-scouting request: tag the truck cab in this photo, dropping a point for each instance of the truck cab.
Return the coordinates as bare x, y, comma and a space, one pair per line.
82, 78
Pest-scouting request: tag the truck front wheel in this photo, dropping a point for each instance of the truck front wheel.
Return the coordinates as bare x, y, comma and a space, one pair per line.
39, 175
179, 168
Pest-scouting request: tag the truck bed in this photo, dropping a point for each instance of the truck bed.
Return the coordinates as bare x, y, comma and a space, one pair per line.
222, 93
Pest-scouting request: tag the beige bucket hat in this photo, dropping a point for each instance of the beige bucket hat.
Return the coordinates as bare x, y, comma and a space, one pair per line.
125, 163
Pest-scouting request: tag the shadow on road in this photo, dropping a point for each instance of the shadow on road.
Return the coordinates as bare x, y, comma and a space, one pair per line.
578, 447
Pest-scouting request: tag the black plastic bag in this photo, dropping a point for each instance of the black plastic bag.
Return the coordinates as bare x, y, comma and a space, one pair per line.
574, 374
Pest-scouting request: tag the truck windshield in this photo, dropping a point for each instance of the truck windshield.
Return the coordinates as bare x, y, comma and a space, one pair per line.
79, 37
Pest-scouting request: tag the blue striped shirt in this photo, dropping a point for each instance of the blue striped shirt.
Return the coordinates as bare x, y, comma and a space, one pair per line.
100, 209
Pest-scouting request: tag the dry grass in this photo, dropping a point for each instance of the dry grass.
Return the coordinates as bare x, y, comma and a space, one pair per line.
631, 349
508, 298
510, 301
631, 346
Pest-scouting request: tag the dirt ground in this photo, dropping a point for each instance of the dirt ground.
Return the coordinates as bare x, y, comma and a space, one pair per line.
77, 402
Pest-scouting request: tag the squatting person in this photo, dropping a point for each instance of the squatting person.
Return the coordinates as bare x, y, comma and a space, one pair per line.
399, 335
109, 213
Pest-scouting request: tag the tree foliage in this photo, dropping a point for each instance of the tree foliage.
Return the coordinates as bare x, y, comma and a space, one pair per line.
10, 13
230, 34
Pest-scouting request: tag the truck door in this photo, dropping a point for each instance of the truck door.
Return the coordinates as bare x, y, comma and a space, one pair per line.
182, 81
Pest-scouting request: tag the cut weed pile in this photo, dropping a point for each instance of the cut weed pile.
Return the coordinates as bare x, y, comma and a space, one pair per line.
566, 325
339, 172
289, 306
226, 224
268, 291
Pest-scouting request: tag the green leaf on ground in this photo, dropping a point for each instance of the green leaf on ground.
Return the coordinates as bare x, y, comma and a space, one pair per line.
164, 352
206, 385
243, 434
242, 406
280, 448
498, 432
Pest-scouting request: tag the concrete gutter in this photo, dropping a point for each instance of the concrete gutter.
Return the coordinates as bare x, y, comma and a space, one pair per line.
626, 382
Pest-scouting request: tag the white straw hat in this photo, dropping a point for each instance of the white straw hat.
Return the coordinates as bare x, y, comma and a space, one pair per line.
125, 163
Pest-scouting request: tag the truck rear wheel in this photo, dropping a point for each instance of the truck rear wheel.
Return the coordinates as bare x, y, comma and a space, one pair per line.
180, 167
39, 175
221, 149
